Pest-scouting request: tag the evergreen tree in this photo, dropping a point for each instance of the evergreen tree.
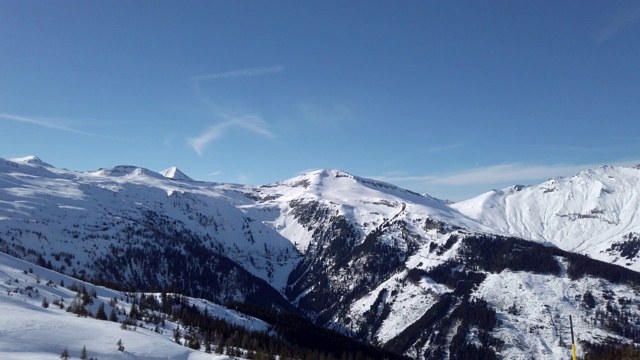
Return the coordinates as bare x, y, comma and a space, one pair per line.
120, 345
112, 315
100, 314
83, 353
194, 343
176, 335
133, 313
64, 355
45, 303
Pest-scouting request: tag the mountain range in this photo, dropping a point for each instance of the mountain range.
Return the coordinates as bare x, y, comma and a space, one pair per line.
496, 276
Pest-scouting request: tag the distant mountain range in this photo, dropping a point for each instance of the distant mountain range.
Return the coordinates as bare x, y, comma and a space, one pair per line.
496, 276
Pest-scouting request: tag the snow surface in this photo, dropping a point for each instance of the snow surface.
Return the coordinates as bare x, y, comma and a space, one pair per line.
46, 208
175, 174
584, 213
255, 225
365, 203
30, 332
32, 160
51, 208
544, 304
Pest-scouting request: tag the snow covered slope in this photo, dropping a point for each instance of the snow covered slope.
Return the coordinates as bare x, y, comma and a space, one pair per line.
175, 174
594, 212
106, 223
365, 203
505, 296
380, 263
30, 331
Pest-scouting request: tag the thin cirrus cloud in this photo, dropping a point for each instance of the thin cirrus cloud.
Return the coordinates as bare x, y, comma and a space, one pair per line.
249, 72
496, 174
249, 123
48, 124
246, 122
617, 24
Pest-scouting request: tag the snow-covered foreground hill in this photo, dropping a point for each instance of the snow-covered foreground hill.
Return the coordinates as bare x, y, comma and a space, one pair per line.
31, 332
408, 272
594, 212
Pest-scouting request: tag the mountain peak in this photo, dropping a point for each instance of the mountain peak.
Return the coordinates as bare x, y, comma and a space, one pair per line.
175, 174
125, 170
341, 184
31, 160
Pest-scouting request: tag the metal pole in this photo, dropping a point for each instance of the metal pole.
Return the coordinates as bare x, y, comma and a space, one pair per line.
573, 343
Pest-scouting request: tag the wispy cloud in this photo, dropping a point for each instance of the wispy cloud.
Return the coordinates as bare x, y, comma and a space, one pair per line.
215, 173
230, 120
250, 72
249, 123
497, 174
48, 123
44, 123
617, 24
509, 173
445, 147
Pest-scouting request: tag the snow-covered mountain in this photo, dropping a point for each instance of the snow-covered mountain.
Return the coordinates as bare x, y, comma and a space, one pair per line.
33, 160
175, 174
594, 212
385, 265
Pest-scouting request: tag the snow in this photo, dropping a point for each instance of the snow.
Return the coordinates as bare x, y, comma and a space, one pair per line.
53, 202
544, 303
584, 213
175, 174
365, 203
31, 160
28, 331
46, 209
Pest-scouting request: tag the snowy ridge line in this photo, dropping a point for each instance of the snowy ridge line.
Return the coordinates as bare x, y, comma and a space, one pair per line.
587, 213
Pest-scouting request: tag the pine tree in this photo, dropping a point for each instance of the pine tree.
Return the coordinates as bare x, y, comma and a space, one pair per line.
83, 353
100, 314
64, 355
112, 315
120, 346
45, 303
176, 335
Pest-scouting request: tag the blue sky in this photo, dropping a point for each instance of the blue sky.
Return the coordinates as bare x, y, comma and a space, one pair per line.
451, 98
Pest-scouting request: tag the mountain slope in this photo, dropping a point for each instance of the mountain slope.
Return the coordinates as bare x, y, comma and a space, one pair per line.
104, 224
31, 331
382, 264
594, 212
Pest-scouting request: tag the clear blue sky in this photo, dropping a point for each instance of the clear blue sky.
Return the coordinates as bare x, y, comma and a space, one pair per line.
451, 98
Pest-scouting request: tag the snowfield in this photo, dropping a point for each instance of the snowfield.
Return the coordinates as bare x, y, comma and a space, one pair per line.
30, 332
